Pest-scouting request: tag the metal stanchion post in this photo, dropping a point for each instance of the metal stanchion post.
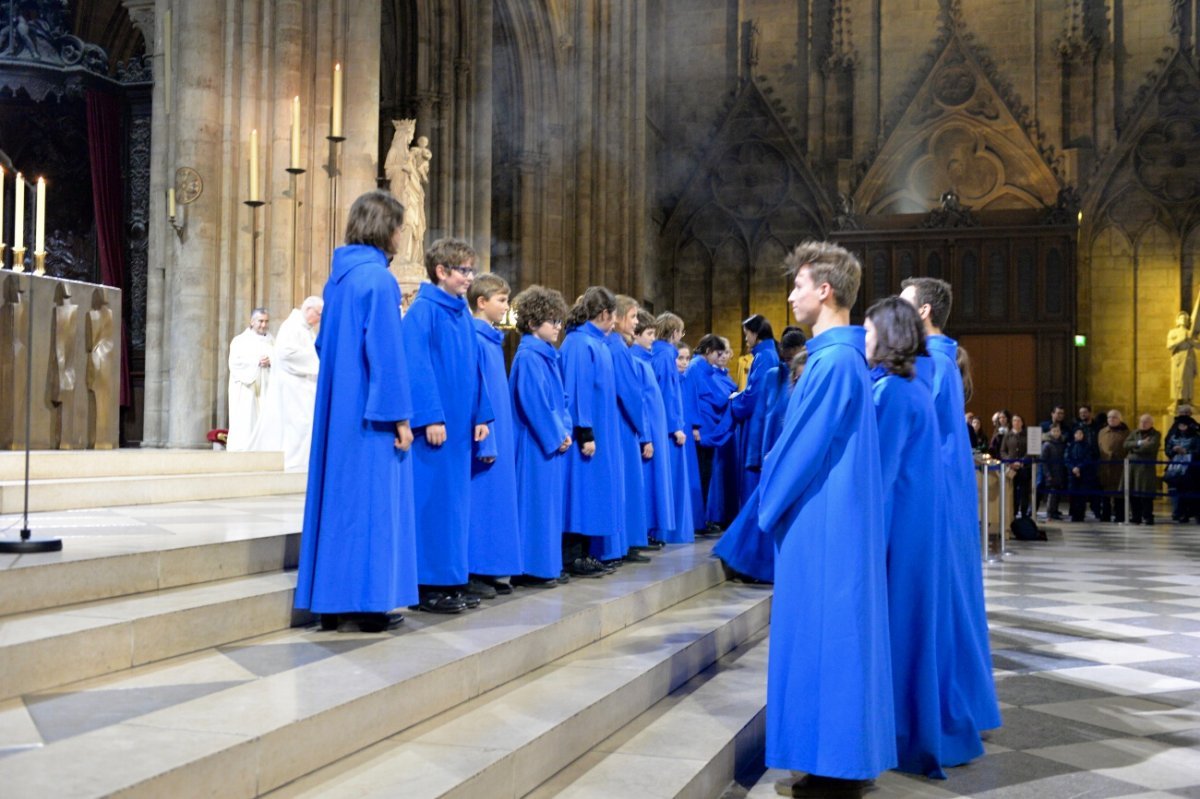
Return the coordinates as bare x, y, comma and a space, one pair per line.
1003, 545
983, 517
1125, 486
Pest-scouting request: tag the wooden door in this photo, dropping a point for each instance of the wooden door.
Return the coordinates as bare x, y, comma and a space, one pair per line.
1004, 371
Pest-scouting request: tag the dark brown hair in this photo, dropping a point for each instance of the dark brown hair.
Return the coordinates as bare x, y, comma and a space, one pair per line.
448, 253
373, 220
645, 320
935, 293
899, 335
595, 301
710, 343
537, 305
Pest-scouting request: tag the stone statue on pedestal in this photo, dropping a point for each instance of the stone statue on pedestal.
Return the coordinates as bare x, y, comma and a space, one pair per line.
1181, 343
407, 170
101, 341
62, 368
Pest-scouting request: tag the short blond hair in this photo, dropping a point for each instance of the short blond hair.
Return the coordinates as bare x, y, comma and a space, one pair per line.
828, 263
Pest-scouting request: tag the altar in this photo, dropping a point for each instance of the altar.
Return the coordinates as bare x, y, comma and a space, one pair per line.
74, 350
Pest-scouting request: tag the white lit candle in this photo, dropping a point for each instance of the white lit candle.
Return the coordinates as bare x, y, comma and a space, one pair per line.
295, 164
39, 227
171, 202
19, 214
254, 165
335, 122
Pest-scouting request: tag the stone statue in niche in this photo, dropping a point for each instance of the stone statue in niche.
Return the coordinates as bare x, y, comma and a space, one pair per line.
14, 352
101, 342
407, 170
62, 368
1181, 343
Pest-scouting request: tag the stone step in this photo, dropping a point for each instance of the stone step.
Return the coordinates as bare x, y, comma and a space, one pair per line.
509, 741
113, 552
688, 746
106, 492
271, 729
61, 465
46, 649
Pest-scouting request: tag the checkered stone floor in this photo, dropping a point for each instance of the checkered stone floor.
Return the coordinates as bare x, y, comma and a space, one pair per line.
1096, 645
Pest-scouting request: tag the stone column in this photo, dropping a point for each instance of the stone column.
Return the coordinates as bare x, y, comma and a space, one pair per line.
480, 224
153, 433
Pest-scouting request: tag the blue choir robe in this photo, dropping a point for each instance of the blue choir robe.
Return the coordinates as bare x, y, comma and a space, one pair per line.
358, 550
745, 547
443, 361
969, 690
656, 472
670, 383
723, 487
542, 423
634, 433
778, 392
494, 545
595, 486
829, 676
910, 464
691, 417
749, 409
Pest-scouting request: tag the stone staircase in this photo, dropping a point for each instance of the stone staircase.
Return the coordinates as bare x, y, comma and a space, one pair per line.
180, 669
110, 478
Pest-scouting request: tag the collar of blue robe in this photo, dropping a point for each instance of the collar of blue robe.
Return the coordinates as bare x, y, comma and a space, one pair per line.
663, 345
640, 352
351, 256
850, 335
489, 331
764, 346
543, 348
878, 372
428, 291
942, 344
590, 328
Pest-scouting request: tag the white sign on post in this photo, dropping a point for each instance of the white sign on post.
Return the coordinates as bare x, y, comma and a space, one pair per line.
1033, 440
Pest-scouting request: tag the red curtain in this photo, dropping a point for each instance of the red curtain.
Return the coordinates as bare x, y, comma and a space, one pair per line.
108, 201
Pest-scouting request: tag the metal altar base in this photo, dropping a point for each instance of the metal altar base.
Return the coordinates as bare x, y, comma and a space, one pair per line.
27, 545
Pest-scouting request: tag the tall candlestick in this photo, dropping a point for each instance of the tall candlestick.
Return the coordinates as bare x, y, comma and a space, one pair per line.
171, 202
39, 226
295, 163
254, 165
19, 214
1, 207
335, 121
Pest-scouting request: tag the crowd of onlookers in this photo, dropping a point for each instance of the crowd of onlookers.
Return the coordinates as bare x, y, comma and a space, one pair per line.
1083, 461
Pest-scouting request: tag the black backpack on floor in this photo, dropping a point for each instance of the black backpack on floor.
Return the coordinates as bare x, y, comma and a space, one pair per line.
1025, 529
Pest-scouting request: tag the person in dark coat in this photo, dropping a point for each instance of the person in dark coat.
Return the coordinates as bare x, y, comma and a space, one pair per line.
1054, 471
1142, 447
1091, 427
1183, 439
1110, 442
1081, 473
358, 547
1013, 451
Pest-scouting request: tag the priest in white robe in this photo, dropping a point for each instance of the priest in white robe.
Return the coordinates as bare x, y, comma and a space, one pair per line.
249, 376
287, 412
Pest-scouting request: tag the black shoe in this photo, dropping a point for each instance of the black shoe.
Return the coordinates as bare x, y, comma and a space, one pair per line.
633, 556
653, 545
368, 622
1150, 520
528, 581
610, 566
713, 529
563, 578
437, 602
472, 601
810, 785
478, 588
583, 567
329, 622
501, 587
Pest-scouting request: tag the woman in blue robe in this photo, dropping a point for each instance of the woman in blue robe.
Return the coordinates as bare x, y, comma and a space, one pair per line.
543, 435
358, 552
724, 486
494, 546
635, 438
696, 476
664, 352
829, 680
912, 506
711, 420
448, 397
595, 486
656, 471
748, 406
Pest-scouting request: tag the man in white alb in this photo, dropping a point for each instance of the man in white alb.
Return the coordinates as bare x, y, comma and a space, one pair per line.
249, 374
287, 410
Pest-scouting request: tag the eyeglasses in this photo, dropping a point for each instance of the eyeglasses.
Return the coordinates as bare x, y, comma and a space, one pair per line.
465, 271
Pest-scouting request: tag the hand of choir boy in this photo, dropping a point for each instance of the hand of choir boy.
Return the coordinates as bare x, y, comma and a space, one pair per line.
435, 435
588, 449
680, 438
481, 432
404, 436
565, 445
647, 451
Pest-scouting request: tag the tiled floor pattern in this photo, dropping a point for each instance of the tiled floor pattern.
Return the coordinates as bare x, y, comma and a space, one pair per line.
1096, 644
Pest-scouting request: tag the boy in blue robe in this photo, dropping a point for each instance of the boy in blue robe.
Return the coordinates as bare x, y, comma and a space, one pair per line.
635, 438
668, 330
543, 435
912, 504
358, 549
712, 423
748, 406
656, 471
724, 486
595, 485
494, 547
829, 677
451, 410
968, 688
697, 477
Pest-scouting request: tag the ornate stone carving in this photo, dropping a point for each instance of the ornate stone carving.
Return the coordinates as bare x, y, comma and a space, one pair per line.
950, 214
38, 31
1167, 159
407, 170
1065, 210
138, 199
846, 218
139, 69
141, 14
750, 180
